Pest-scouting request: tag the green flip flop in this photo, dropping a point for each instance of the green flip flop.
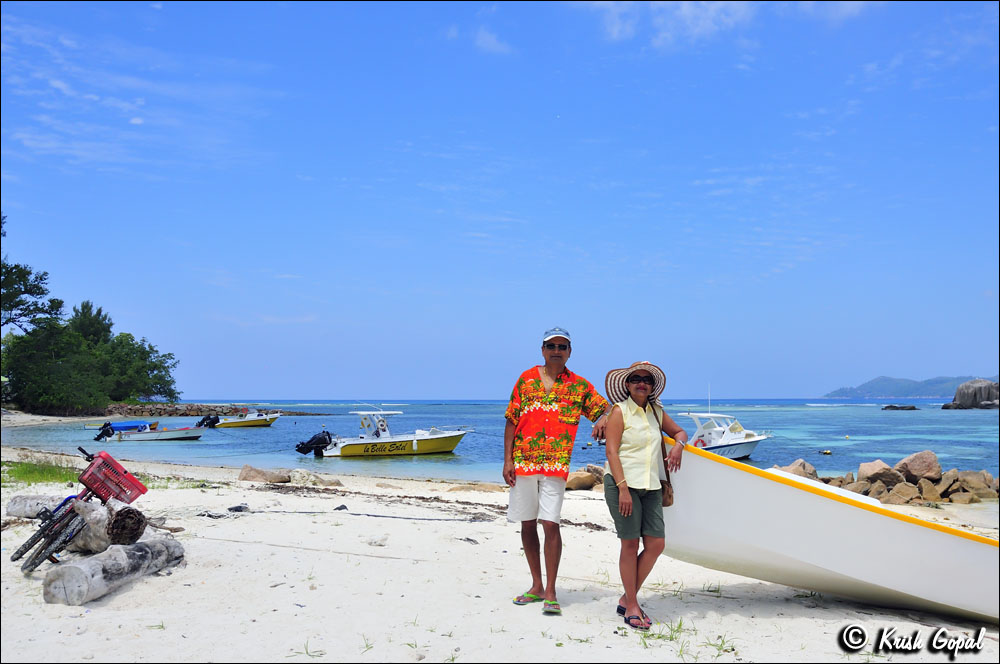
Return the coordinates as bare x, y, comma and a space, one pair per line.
549, 606
526, 598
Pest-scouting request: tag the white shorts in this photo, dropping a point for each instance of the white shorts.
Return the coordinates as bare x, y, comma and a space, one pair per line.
536, 497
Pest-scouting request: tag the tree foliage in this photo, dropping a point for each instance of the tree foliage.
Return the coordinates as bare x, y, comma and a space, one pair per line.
23, 294
94, 326
77, 366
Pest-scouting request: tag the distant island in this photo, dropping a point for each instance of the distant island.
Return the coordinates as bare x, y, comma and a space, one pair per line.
884, 387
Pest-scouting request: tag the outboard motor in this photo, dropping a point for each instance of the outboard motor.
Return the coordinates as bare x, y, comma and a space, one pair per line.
316, 444
106, 433
208, 421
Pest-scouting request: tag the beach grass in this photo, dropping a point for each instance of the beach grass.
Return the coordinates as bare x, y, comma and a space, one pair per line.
28, 472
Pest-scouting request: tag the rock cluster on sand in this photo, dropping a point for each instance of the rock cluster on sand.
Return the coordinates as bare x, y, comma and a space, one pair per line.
978, 393
172, 410
915, 479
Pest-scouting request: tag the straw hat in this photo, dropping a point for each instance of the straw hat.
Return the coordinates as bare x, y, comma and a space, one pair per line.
614, 383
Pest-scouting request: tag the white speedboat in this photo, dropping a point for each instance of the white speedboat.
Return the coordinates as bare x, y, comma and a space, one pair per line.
183, 433
247, 417
377, 439
723, 435
786, 529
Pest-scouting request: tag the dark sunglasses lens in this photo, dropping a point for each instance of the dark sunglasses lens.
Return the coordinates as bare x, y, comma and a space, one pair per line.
648, 380
559, 346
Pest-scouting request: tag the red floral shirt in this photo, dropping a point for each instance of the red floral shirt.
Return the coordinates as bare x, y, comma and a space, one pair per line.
546, 422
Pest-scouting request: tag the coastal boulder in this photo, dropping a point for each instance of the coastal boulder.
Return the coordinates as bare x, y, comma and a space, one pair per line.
901, 494
947, 483
963, 498
307, 478
922, 465
928, 491
879, 471
800, 467
861, 487
250, 474
877, 490
580, 480
596, 471
972, 479
977, 393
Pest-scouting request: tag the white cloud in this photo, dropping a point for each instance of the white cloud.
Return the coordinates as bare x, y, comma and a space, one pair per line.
835, 12
674, 21
136, 121
62, 87
489, 42
620, 18
696, 20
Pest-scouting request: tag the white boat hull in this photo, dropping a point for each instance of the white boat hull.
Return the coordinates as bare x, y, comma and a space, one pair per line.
735, 450
159, 434
735, 518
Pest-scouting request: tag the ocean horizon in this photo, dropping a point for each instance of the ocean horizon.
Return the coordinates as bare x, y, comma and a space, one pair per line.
854, 431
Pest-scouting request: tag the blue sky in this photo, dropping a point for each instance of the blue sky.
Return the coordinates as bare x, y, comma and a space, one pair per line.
393, 201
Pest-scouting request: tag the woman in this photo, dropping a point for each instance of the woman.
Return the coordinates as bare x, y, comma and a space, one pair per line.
637, 458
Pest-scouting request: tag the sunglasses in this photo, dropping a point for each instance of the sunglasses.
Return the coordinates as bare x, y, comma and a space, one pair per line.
635, 380
554, 346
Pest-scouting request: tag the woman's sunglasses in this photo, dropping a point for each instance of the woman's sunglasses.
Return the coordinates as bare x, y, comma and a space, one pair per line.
648, 380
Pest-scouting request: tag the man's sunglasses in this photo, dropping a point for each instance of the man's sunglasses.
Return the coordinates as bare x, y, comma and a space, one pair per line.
648, 380
554, 346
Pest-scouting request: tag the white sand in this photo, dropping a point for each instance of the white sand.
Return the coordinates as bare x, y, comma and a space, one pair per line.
411, 570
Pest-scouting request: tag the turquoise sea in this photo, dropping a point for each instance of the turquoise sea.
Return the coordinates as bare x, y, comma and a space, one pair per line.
854, 432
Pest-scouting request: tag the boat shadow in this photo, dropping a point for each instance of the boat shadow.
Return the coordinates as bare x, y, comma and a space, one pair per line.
760, 600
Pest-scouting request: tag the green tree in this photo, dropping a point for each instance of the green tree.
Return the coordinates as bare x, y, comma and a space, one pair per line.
136, 370
54, 371
94, 326
22, 294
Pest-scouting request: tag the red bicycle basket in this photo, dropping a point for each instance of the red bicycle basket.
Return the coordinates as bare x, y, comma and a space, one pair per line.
106, 477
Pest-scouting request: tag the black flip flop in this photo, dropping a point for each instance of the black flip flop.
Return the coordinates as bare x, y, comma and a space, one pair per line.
642, 626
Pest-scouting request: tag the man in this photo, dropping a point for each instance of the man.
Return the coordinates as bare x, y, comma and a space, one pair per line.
542, 418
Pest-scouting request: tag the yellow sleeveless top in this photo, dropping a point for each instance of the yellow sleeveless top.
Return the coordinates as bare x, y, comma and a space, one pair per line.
640, 451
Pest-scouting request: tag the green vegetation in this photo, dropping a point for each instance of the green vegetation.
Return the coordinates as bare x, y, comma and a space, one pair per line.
24, 472
75, 366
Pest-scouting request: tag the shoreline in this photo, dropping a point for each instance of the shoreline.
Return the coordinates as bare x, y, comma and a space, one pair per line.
411, 570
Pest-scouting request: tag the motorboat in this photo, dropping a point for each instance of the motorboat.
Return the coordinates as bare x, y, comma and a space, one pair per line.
109, 430
723, 435
787, 529
377, 439
247, 417
181, 433
128, 425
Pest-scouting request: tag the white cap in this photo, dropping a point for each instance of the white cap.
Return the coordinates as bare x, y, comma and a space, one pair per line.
555, 332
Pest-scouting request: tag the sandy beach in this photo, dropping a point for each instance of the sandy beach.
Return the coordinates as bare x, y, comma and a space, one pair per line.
415, 570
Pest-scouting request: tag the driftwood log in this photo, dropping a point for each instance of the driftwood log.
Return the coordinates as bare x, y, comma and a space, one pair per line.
114, 523
29, 506
79, 582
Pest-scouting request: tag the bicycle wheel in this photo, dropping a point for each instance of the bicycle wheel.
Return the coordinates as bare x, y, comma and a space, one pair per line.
54, 542
42, 531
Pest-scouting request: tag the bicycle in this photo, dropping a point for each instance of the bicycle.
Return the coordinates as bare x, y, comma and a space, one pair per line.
104, 478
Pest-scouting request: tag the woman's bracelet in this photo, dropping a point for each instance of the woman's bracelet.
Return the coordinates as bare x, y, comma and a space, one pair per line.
620, 483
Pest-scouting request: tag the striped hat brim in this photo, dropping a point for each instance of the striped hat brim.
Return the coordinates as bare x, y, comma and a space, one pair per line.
617, 390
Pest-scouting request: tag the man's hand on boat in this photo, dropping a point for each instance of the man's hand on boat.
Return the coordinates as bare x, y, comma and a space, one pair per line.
599, 427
